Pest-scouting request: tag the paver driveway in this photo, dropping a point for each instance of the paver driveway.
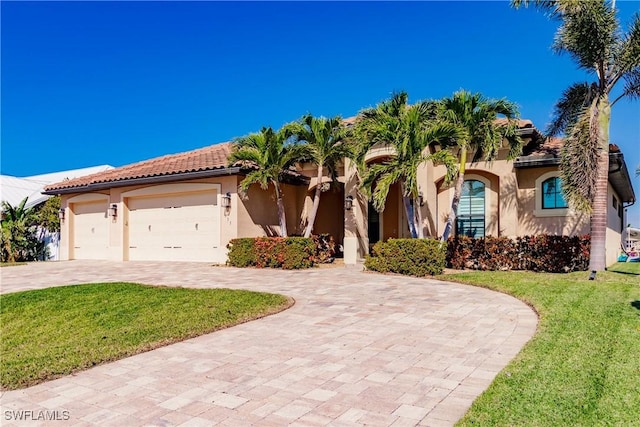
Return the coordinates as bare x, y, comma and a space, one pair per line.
356, 349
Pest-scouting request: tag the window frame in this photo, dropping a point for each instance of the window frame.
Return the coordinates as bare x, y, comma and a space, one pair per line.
471, 218
539, 211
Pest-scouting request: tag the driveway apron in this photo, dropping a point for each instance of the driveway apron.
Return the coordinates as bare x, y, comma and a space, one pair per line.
357, 348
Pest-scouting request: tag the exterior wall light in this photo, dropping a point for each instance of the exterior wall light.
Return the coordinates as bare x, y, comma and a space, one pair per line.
420, 199
61, 214
113, 211
348, 203
226, 200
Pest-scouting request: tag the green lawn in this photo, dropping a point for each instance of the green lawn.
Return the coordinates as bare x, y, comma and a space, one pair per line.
53, 332
11, 264
582, 368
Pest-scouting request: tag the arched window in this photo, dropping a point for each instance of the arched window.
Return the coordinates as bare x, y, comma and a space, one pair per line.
470, 219
552, 197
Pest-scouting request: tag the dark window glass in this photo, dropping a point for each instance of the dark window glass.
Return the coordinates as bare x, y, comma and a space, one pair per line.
552, 197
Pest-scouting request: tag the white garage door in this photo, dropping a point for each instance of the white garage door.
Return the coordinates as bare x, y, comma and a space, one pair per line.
90, 230
179, 227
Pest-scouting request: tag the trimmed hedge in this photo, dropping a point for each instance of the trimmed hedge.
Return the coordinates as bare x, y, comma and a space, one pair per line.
274, 252
543, 253
242, 252
412, 257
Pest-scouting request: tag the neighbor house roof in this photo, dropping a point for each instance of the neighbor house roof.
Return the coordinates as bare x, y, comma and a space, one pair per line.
207, 161
14, 189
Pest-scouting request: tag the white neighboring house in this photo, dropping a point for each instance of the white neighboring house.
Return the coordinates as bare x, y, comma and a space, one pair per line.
14, 189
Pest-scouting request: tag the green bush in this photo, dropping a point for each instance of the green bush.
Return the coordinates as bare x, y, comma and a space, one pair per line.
299, 252
272, 252
544, 253
242, 252
411, 257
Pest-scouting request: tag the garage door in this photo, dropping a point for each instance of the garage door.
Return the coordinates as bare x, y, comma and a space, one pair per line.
90, 230
179, 227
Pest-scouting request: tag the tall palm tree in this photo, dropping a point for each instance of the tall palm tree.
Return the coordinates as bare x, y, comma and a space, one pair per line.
269, 155
323, 143
481, 133
591, 34
409, 131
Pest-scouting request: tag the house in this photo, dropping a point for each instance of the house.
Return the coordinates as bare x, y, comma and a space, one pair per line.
14, 190
186, 206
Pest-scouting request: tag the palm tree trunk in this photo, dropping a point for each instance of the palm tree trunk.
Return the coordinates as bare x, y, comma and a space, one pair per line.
597, 257
456, 196
418, 216
408, 211
281, 214
316, 203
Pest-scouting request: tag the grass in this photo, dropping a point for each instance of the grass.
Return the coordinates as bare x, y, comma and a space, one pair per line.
583, 364
11, 264
53, 332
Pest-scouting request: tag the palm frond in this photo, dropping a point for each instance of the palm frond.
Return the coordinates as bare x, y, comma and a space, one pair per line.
570, 107
631, 87
382, 187
578, 163
626, 53
588, 30
450, 162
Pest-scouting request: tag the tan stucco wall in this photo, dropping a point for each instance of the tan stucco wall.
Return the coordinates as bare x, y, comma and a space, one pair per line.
118, 231
614, 228
494, 221
330, 217
530, 218
258, 210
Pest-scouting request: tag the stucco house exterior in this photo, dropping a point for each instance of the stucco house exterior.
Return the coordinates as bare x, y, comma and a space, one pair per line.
186, 206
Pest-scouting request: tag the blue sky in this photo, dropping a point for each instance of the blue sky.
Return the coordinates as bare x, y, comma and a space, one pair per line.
89, 83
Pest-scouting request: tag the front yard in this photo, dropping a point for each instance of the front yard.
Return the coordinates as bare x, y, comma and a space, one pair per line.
53, 332
583, 364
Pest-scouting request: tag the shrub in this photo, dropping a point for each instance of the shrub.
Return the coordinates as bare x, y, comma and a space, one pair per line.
269, 251
242, 252
545, 253
299, 252
272, 252
325, 248
412, 257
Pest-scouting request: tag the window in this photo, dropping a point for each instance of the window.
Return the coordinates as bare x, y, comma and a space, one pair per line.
615, 203
552, 197
470, 220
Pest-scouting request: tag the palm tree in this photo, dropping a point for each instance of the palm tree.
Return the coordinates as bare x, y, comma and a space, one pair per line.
323, 143
408, 130
19, 240
481, 133
270, 156
590, 33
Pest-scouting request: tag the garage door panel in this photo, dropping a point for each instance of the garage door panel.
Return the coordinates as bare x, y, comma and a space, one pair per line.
90, 230
174, 227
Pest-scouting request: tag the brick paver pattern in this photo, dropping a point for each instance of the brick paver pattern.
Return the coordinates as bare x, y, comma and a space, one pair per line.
357, 348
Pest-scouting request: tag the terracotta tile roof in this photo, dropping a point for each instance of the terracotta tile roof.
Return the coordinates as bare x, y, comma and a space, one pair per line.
203, 159
552, 146
522, 123
207, 158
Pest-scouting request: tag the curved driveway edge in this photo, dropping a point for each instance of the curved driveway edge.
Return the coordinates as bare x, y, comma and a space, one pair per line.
355, 349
